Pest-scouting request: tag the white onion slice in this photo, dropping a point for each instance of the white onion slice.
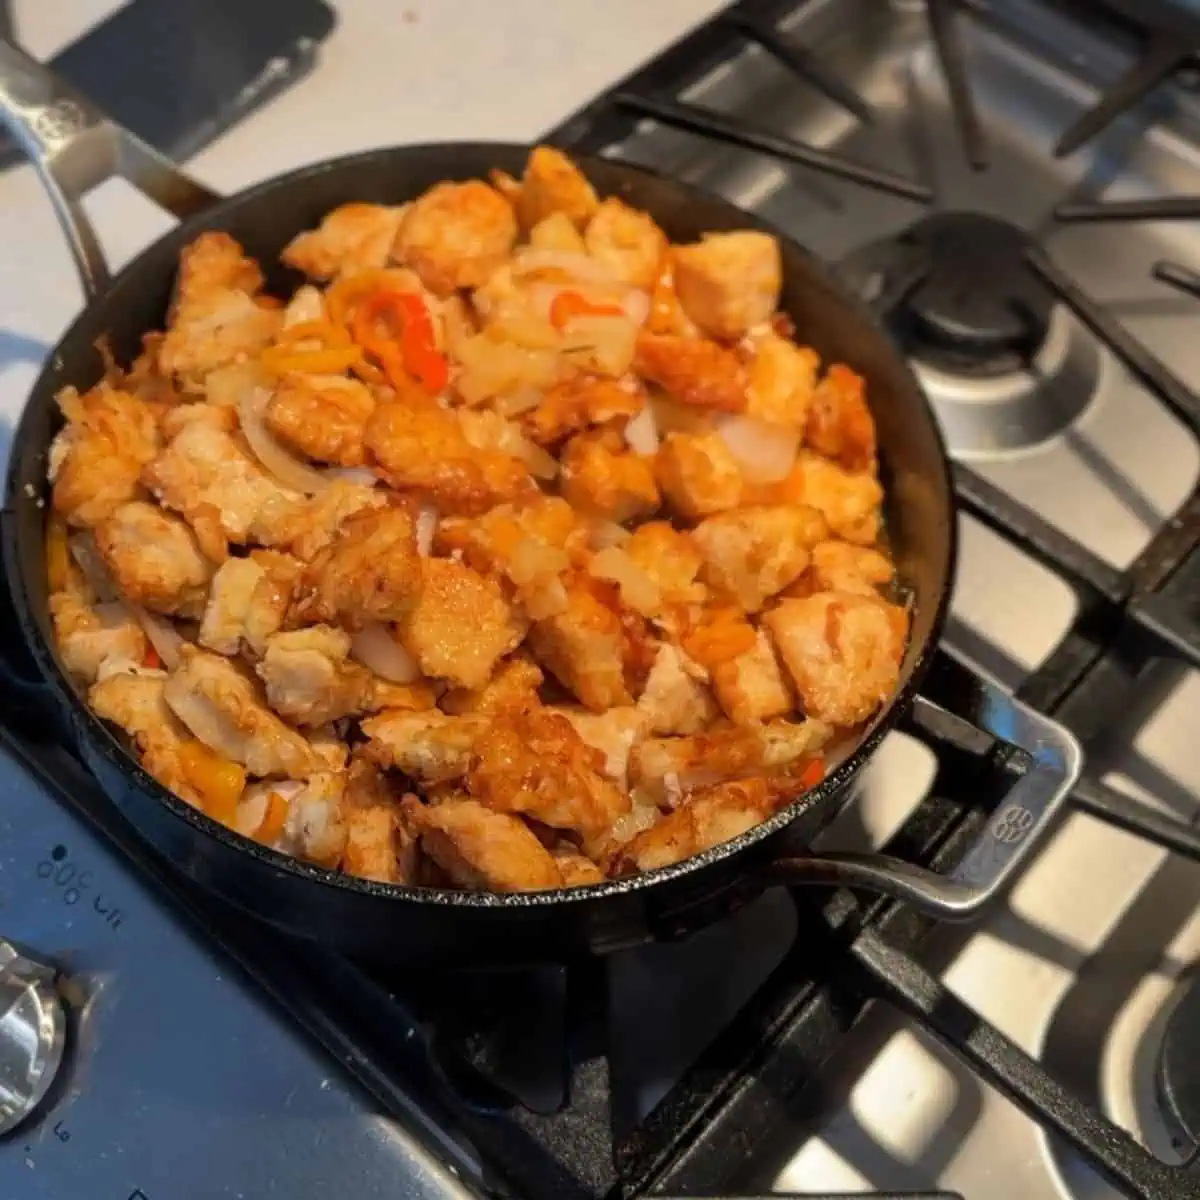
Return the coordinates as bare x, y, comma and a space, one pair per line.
637, 305
641, 432
604, 534
285, 467
378, 651
768, 451
87, 558
578, 266
162, 635
638, 589
359, 476
427, 519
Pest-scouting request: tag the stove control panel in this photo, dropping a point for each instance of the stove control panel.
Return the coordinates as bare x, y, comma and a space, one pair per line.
32, 1034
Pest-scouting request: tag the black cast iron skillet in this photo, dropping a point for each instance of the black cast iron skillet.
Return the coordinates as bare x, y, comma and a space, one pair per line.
74, 147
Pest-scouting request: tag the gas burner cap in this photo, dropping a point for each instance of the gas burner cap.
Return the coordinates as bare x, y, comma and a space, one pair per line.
1178, 1075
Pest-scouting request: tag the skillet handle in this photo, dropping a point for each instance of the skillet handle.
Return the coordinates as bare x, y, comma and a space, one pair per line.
74, 146
1055, 760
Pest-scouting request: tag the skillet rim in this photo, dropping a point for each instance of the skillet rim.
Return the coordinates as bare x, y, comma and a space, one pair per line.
105, 741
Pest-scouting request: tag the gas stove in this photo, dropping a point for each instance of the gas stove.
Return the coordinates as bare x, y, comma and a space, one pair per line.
1013, 186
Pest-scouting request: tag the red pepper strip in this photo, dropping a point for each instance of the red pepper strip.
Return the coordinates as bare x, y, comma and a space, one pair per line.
813, 773
566, 305
151, 659
416, 354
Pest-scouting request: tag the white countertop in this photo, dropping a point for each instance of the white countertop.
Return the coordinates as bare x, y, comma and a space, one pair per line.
393, 71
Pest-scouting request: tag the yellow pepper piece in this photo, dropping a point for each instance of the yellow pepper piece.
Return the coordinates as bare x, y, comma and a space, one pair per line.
218, 782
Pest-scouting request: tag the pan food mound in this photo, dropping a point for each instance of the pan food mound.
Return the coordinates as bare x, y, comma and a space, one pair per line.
516, 549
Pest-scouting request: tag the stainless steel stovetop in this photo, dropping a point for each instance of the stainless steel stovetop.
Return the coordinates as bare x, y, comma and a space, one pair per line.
181, 1081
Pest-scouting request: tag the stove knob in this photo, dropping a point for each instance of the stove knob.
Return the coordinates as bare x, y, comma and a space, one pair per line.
32, 1032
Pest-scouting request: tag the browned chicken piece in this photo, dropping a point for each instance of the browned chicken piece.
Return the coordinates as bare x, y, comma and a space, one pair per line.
370, 571
842, 567
627, 241
204, 470
303, 526
512, 688
577, 869
849, 502
481, 849
272, 597
95, 640
666, 313
675, 699
752, 687
315, 828
842, 651
729, 282
461, 625
536, 765
557, 233
698, 474
214, 319
783, 377
612, 733
671, 558
708, 817
136, 703
322, 417
577, 403
840, 425
667, 766
97, 458
583, 647
154, 560
145, 379
328, 747
754, 552
422, 448
455, 235
553, 183
432, 747
221, 706
692, 371
229, 600
380, 844
602, 478
309, 677
524, 540
353, 237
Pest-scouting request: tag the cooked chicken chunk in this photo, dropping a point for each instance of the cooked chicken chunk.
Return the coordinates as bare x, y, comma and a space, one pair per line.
841, 567
303, 526
612, 733
756, 551
153, 559
271, 599
136, 703
204, 471
553, 183
752, 687
369, 571
482, 849
627, 241
782, 381
353, 237
577, 403
601, 477
322, 417
214, 319
842, 650
423, 448
455, 235
671, 558
675, 699
229, 601
96, 641
219, 704
698, 474
513, 687
380, 844
577, 869
309, 678
692, 371
729, 282
97, 458
430, 746
840, 425
663, 764
557, 233
707, 818
315, 828
461, 625
849, 502
583, 647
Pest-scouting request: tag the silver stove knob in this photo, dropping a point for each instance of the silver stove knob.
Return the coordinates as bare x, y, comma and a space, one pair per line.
32, 1032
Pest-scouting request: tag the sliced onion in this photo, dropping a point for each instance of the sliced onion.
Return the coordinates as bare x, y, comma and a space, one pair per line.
285, 467
604, 534
305, 305
768, 451
490, 431
427, 519
87, 558
637, 305
577, 266
641, 432
523, 400
638, 590
378, 651
358, 476
162, 635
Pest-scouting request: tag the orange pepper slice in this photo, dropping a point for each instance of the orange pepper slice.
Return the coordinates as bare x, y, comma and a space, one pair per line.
571, 304
330, 361
218, 782
409, 348
274, 818
720, 640
325, 332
